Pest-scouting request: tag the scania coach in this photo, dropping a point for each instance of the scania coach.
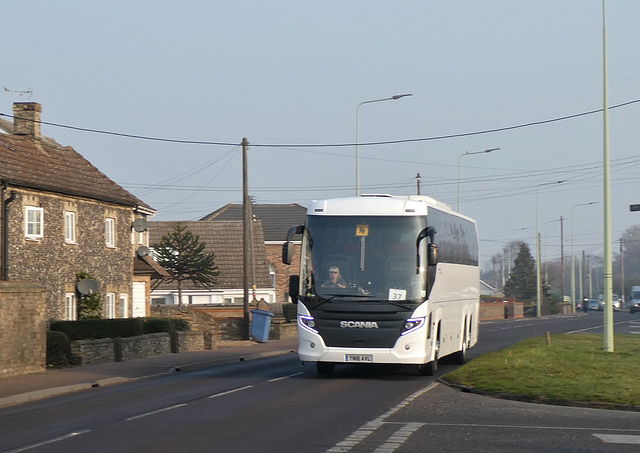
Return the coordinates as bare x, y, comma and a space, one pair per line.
385, 279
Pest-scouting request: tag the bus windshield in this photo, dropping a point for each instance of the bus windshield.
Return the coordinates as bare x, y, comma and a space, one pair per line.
363, 258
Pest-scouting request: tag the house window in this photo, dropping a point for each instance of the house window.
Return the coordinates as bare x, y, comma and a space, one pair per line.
110, 232
70, 227
70, 307
111, 305
34, 222
124, 306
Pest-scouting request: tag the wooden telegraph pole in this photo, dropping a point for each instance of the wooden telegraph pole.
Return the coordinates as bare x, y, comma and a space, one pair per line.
246, 223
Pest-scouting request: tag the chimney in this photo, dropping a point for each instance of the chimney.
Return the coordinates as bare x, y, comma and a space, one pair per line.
26, 119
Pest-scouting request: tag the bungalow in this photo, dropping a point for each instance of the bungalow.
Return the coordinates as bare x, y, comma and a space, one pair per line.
225, 240
276, 220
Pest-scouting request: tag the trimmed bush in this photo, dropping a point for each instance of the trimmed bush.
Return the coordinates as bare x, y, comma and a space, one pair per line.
87, 329
290, 312
58, 350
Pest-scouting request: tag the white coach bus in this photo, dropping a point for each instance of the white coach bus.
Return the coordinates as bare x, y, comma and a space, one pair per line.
385, 279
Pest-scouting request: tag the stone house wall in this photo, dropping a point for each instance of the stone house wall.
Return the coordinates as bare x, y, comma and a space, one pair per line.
54, 263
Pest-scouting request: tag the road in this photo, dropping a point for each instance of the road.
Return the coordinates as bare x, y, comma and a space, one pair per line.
278, 405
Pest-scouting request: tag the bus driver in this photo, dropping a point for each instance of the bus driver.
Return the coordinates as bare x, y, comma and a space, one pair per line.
335, 280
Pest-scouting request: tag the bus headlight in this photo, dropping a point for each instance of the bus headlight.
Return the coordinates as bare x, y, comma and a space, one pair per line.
308, 323
412, 324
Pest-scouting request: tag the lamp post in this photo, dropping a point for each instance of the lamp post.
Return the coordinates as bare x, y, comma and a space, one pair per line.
392, 98
468, 154
509, 248
607, 265
538, 269
573, 258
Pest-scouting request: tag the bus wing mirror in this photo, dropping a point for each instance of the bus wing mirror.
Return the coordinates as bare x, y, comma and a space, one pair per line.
432, 250
294, 288
287, 253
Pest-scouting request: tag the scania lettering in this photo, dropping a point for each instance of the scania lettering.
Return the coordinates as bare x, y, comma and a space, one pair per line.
358, 325
385, 279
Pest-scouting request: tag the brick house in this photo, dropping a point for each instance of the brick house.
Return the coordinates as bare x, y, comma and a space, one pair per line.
61, 215
276, 220
225, 240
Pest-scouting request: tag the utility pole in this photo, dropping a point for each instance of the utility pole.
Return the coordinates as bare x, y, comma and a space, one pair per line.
246, 224
621, 275
418, 182
562, 261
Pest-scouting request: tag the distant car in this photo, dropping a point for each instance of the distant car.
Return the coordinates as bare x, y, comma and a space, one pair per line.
616, 302
594, 304
634, 306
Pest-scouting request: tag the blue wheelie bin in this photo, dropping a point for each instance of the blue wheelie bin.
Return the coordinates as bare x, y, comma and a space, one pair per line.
260, 324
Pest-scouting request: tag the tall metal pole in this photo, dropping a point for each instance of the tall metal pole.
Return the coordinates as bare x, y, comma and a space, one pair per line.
392, 98
246, 224
621, 275
468, 154
538, 264
562, 258
608, 267
573, 259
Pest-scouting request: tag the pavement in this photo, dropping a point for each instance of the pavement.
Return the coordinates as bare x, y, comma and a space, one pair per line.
21, 389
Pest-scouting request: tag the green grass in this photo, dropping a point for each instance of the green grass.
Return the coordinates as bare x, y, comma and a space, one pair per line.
572, 367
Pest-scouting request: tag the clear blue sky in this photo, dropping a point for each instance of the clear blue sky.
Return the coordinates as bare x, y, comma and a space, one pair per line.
293, 72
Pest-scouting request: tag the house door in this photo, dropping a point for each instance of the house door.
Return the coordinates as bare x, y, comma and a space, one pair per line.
139, 302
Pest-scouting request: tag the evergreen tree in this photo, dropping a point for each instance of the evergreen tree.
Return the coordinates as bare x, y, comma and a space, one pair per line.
522, 281
183, 254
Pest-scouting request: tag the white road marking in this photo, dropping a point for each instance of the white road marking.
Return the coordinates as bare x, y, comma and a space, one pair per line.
164, 409
361, 433
398, 438
618, 439
231, 391
285, 377
47, 442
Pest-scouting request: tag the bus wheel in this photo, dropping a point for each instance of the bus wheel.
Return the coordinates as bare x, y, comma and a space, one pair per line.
461, 357
429, 368
325, 368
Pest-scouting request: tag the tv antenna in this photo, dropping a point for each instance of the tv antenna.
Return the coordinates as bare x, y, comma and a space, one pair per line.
21, 93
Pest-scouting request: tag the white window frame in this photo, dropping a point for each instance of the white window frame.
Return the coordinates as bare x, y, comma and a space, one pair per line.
111, 305
110, 232
34, 228
124, 305
70, 227
70, 307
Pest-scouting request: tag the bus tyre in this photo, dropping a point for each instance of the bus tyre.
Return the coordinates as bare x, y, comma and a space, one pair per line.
429, 368
325, 368
461, 357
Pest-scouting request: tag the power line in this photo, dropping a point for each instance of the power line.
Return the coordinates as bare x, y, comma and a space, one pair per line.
335, 145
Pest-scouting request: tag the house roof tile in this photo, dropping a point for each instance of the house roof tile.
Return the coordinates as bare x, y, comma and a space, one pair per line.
46, 165
276, 218
225, 239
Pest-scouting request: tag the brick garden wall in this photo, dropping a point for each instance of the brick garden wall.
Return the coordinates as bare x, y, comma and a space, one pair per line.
23, 336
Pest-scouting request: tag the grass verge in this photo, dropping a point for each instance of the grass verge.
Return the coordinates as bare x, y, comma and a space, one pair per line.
568, 367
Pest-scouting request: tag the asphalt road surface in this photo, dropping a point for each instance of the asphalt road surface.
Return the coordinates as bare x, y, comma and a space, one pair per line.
278, 405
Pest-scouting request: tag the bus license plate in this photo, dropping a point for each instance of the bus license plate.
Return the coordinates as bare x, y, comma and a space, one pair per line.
362, 358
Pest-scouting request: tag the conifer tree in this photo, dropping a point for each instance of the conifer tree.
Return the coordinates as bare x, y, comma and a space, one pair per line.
522, 281
183, 254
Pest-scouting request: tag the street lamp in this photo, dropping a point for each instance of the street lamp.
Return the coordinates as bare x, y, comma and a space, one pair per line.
468, 154
538, 269
392, 98
573, 258
509, 248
